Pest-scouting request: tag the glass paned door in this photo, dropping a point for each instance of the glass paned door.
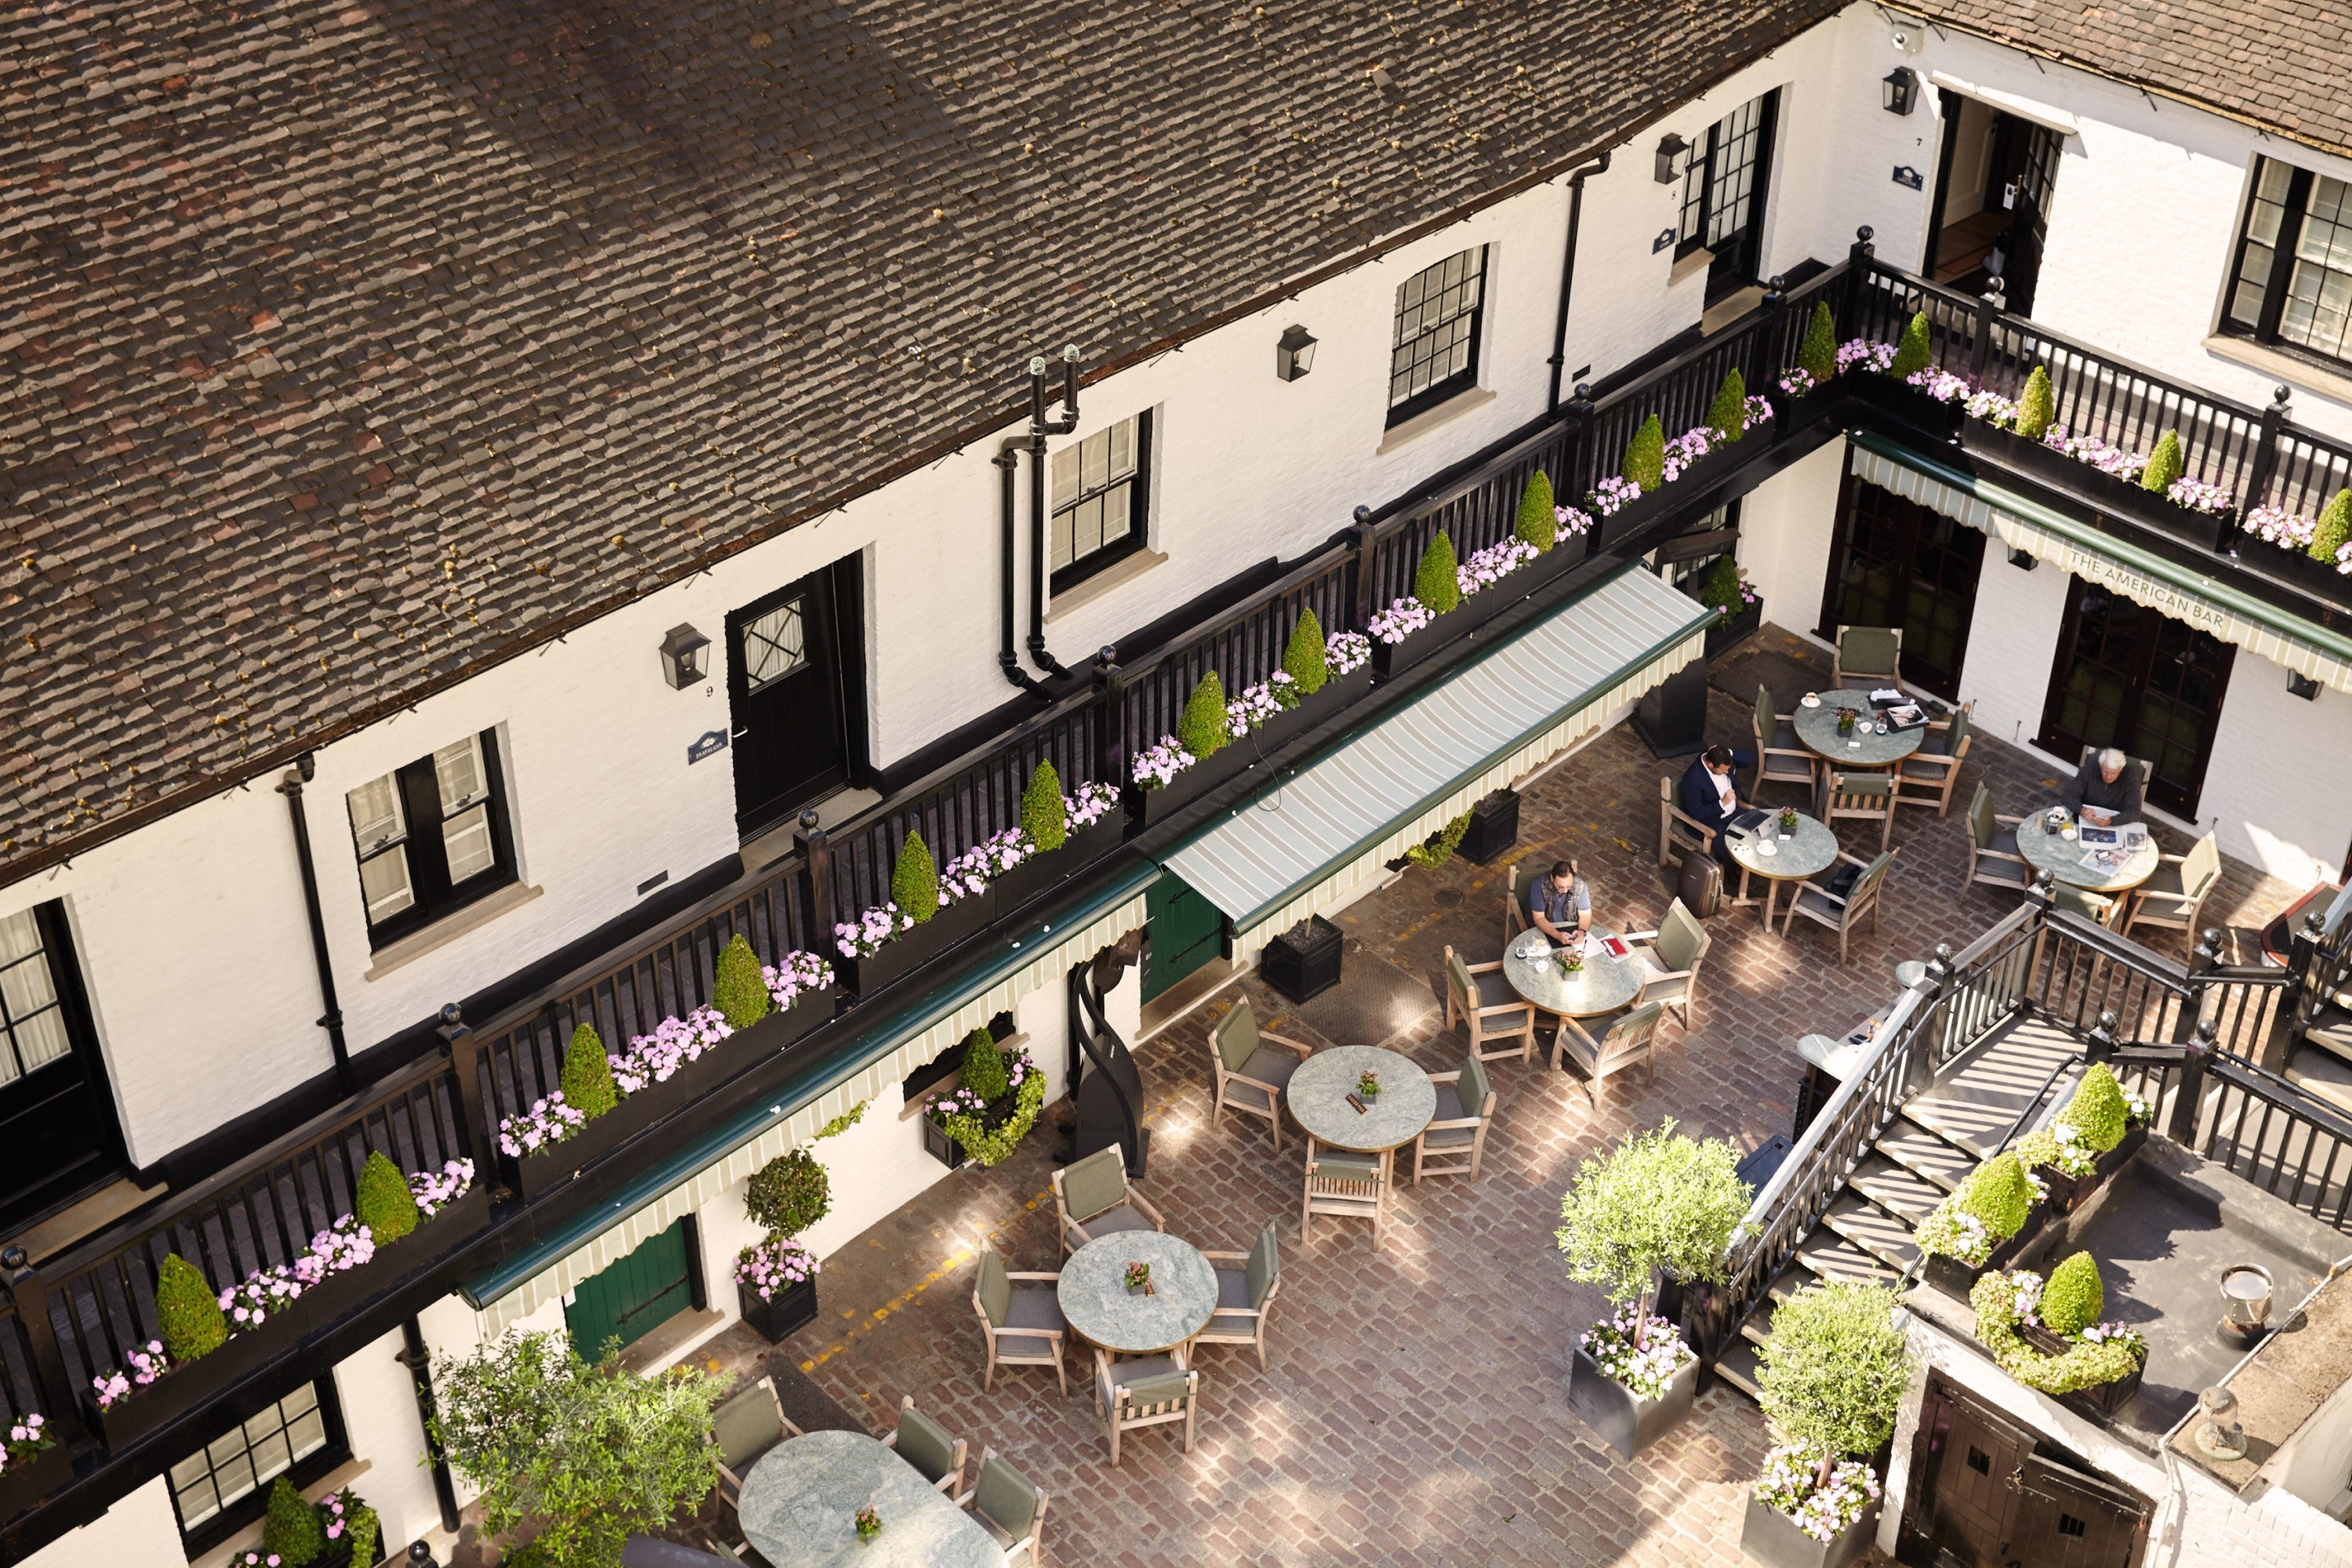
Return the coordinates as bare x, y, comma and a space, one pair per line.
2130, 677
790, 693
1898, 564
58, 1135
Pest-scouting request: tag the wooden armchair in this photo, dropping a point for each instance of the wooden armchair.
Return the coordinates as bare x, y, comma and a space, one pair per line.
1477, 995
1929, 775
1454, 1141
1516, 904
1678, 831
1244, 1295
2091, 906
925, 1444
1867, 656
1092, 1199
1003, 1503
1149, 1391
1870, 796
1022, 1317
1347, 1184
1841, 912
1671, 959
747, 1423
1252, 1073
1993, 858
1781, 756
1628, 1041
2173, 897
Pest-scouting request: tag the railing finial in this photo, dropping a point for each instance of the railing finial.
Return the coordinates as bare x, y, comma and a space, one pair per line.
1863, 234
15, 1260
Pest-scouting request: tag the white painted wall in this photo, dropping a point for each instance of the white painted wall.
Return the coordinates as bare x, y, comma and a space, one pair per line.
140, 1532
1786, 527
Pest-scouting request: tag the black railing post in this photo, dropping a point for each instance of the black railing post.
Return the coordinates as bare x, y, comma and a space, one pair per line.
2203, 959
1764, 353
476, 1124
1980, 339
60, 1409
817, 851
2100, 1045
1857, 275
1366, 572
1110, 720
2188, 1102
2259, 471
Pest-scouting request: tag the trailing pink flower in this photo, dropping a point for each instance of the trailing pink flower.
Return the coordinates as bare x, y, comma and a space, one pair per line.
1612, 494
656, 1057
1797, 381
796, 974
1257, 705
1863, 354
25, 1438
142, 1366
1940, 384
1489, 566
1688, 448
767, 1269
864, 938
1571, 521
2119, 462
437, 1190
1757, 411
2198, 496
1090, 805
548, 1121
1823, 1511
2276, 525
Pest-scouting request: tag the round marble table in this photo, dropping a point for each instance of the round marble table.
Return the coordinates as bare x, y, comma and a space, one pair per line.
1096, 1301
1604, 984
1320, 1090
2062, 858
799, 1507
1817, 727
1811, 850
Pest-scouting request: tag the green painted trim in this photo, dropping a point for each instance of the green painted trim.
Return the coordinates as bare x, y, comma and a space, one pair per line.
882, 1035
2237, 601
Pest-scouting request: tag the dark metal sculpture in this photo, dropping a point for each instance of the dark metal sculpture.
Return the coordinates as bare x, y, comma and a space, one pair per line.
1105, 1089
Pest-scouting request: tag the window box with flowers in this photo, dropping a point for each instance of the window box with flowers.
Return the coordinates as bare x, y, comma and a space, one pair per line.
2092, 1136
1060, 834
1997, 1212
2312, 551
1320, 676
990, 1109
32, 1463
1804, 393
927, 914
1217, 739
2046, 1334
1739, 607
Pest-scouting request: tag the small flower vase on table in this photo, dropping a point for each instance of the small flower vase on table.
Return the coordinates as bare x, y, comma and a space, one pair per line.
1138, 1279
1368, 1086
870, 1524
1846, 718
1788, 822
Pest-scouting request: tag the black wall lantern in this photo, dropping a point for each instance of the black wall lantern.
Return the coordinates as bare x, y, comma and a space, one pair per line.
1670, 152
1294, 354
2301, 685
686, 654
1901, 90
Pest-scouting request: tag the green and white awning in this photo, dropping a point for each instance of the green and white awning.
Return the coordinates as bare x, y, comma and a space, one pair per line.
1308, 844
2164, 585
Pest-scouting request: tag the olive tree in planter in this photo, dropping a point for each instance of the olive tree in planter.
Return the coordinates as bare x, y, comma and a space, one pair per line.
1657, 1203
1833, 1374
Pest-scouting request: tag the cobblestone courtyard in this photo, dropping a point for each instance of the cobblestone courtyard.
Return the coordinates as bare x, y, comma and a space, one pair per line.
1415, 1410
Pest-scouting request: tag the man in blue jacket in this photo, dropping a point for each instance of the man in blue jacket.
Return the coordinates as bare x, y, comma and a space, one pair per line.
1709, 793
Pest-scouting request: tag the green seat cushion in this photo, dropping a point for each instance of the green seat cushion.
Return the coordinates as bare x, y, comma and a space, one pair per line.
745, 1428
1004, 1500
925, 1444
995, 1291
1095, 1184
1236, 1036
1866, 649
1472, 1089
1111, 1221
1264, 1266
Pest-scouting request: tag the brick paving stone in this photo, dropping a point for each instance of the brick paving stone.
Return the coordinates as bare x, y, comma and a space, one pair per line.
1415, 1409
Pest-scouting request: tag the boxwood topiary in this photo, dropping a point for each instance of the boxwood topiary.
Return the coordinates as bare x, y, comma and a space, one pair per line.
1911, 355
2334, 527
1728, 412
1303, 657
1645, 456
587, 1076
789, 1193
1817, 355
291, 1532
1538, 523
2097, 1113
1201, 729
983, 1067
383, 1203
2164, 464
1997, 1195
188, 1316
2037, 406
1045, 815
737, 990
915, 880
1434, 581
2072, 1299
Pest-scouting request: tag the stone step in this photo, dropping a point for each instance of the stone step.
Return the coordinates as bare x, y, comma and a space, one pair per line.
1885, 1236
1903, 1193
1834, 1258
1737, 1366
1977, 1099
1925, 1154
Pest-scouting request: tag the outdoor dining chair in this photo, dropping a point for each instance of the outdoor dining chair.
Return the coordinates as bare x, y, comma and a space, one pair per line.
2141, 766
1477, 995
1820, 900
1866, 656
1628, 1041
1679, 830
1006, 1504
1021, 1316
1345, 1185
1147, 1391
747, 1423
1927, 776
1253, 1066
1244, 1295
1516, 904
1092, 1199
2174, 896
1993, 858
1870, 796
2082, 901
925, 1444
1671, 958
1781, 756
1454, 1141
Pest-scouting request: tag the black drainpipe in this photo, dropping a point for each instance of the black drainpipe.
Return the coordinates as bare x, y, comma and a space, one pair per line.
420, 1372
305, 767
1567, 269
1039, 428
1008, 656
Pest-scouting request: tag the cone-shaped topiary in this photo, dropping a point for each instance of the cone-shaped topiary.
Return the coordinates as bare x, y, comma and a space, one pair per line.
915, 880
1303, 656
188, 1316
1539, 520
739, 992
2072, 1302
1911, 353
1645, 456
789, 1193
1817, 355
587, 1076
1201, 729
2036, 406
2097, 1113
2334, 526
1045, 815
1729, 412
383, 1203
1435, 582
983, 1067
1997, 1195
291, 1532
2164, 464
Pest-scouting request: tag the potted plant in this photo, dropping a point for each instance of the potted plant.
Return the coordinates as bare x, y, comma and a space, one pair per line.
193, 1356
2094, 1135
1399, 634
775, 1278
993, 1108
1196, 759
1658, 1202
338, 1530
1138, 1279
557, 1136
1803, 392
1494, 827
1738, 606
2314, 554
1985, 1222
919, 923
2048, 1336
1788, 819
1302, 962
1059, 833
1833, 1376
32, 1464
1539, 524
868, 1523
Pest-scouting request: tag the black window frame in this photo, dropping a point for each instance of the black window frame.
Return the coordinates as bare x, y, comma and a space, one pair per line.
1460, 381
1062, 579
433, 898
303, 1473
2293, 212
1704, 174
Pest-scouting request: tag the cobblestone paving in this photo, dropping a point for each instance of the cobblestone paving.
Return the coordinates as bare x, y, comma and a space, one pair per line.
1414, 1412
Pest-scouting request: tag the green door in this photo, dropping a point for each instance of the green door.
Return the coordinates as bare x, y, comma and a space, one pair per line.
1187, 931
634, 1296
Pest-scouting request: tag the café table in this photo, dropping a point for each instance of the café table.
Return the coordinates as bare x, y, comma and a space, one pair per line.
1099, 1308
1395, 1117
1809, 849
799, 1510
1817, 726
2062, 856
1531, 964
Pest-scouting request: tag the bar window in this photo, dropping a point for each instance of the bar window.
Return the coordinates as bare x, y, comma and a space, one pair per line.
2292, 287
431, 836
1100, 492
225, 1486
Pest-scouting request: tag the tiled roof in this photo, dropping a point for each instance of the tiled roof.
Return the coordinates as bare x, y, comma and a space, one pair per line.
352, 348
2281, 65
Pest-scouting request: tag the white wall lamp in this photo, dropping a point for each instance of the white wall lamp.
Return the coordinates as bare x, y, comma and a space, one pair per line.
1294, 354
685, 654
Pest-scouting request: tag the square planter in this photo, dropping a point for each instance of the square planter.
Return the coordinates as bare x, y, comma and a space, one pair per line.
1729, 631
1902, 401
2101, 1401
1770, 1537
911, 950
1151, 806
1954, 1278
1791, 414
2068, 1194
185, 1386
340, 1295
1626, 1423
2293, 568
544, 1170
1390, 659
1040, 874
1303, 965
782, 1315
940, 1147
1494, 827
27, 1481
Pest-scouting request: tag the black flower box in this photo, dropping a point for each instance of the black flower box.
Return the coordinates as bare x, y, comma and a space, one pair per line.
1624, 1422
344, 1292
1390, 659
1937, 420
939, 1146
27, 1481
1770, 1537
1729, 631
1040, 874
541, 1171
2114, 496
1152, 806
2297, 569
1954, 1278
1494, 828
1792, 414
187, 1385
783, 1314
1303, 964
2068, 1194
1338, 692
2101, 1401
909, 951
1690, 486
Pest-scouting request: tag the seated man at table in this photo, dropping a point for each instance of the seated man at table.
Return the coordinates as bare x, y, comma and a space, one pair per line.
2104, 790
1709, 793
1559, 904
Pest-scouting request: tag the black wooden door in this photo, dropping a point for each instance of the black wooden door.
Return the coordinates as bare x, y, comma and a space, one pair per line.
1898, 564
786, 691
2069, 1520
2131, 677
2024, 174
58, 1135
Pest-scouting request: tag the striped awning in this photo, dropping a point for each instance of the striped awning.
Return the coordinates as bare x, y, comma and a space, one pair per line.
1306, 845
2163, 584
